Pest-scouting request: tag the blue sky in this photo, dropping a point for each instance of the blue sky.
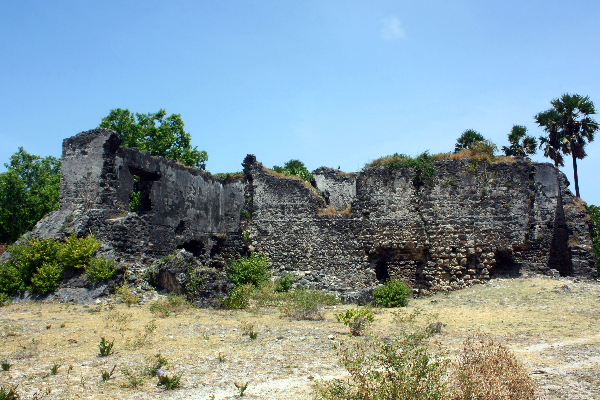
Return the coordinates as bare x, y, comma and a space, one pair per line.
333, 83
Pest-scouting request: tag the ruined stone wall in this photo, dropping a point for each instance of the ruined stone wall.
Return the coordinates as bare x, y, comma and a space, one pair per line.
473, 220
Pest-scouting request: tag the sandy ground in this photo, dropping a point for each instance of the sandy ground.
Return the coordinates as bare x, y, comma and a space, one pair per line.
550, 324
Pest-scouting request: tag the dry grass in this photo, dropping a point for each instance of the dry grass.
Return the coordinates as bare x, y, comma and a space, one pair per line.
383, 161
332, 211
487, 370
351, 175
473, 155
551, 330
279, 175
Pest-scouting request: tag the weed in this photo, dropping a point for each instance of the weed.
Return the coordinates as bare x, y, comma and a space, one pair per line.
241, 387
54, 368
107, 375
105, 347
9, 393
238, 298
304, 304
134, 380
5, 365
488, 370
357, 320
100, 269
62, 325
284, 282
221, 357
169, 382
48, 327
246, 235
155, 363
125, 291
401, 368
164, 307
248, 329
392, 294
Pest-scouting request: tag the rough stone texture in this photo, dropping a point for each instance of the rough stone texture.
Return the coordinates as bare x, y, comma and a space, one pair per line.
472, 221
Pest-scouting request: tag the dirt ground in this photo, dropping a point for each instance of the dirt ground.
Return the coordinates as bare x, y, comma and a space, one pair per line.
550, 324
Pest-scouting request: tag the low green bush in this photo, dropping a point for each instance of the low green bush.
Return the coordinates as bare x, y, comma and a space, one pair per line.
100, 269
237, 298
252, 269
392, 294
284, 283
37, 264
305, 304
358, 320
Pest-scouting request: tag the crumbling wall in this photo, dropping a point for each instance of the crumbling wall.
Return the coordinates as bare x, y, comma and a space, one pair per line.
470, 222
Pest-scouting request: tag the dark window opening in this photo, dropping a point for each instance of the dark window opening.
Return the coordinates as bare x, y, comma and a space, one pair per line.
381, 271
180, 228
139, 198
195, 247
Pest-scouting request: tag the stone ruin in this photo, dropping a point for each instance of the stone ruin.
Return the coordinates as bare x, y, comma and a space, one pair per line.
348, 233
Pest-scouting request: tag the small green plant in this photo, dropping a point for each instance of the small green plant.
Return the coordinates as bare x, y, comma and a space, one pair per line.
48, 327
100, 269
304, 304
5, 365
252, 269
284, 283
358, 320
248, 329
237, 299
106, 375
125, 292
392, 294
484, 191
246, 235
134, 380
241, 387
105, 347
221, 357
62, 325
173, 303
155, 363
9, 393
54, 368
169, 382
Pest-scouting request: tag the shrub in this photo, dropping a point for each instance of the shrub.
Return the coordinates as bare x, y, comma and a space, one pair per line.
488, 370
237, 298
155, 363
169, 382
357, 320
401, 368
77, 252
125, 291
392, 294
100, 269
252, 269
11, 281
284, 283
295, 168
423, 165
47, 278
173, 303
105, 347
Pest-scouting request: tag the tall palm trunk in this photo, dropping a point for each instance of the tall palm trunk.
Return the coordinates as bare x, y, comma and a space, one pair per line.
575, 174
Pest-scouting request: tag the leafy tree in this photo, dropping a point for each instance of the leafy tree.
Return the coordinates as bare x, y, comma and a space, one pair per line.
28, 190
521, 144
551, 143
156, 133
570, 127
467, 139
297, 168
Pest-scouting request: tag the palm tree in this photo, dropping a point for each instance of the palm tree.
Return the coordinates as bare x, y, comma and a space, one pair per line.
569, 127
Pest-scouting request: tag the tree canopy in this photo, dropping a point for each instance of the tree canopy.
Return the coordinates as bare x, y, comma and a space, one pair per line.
296, 168
569, 129
521, 144
467, 139
156, 133
28, 191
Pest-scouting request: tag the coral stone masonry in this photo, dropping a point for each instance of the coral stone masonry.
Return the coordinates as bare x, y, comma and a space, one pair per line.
474, 220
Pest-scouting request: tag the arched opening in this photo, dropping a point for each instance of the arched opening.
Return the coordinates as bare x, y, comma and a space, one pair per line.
381, 271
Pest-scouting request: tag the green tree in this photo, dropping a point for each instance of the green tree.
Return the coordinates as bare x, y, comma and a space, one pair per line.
156, 133
297, 168
468, 139
570, 122
29, 189
521, 144
551, 143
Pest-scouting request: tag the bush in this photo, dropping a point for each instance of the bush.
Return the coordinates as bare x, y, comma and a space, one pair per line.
284, 283
237, 298
252, 269
356, 320
47, 278
125, 291
392, 294
488, 370
173, 303
77, 252
10, 279
100, 269
304, 304
401, 368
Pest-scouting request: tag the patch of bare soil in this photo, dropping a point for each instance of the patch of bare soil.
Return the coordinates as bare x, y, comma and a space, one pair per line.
550, 324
